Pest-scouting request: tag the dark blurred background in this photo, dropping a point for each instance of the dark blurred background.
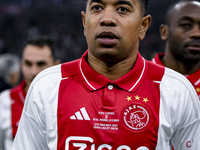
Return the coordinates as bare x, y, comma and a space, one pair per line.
61, 19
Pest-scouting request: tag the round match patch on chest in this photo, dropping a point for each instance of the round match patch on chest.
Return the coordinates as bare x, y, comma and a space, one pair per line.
136, 117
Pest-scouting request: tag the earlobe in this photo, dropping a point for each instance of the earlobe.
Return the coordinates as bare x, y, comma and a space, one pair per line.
146, 21
164, 32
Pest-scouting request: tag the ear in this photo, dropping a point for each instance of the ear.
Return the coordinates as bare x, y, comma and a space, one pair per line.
164, 32
83, 19
146, 21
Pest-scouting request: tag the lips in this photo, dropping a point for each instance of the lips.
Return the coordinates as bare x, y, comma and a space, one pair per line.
107, 38
193, 46
107, 35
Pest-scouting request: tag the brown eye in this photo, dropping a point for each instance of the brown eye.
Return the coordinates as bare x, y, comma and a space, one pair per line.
96, 8
27, 63
122, 9
186, 25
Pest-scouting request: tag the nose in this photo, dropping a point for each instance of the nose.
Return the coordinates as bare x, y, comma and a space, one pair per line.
108, 17
34, 70
195, 32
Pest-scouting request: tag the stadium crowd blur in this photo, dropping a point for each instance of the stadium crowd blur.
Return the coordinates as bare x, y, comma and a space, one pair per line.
61, 19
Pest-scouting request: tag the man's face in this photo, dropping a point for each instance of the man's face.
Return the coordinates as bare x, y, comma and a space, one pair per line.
113, 28
184, 31
34, 60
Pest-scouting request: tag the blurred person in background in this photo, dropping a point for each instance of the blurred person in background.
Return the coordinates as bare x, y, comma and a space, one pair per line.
181, 32
38, 54
9, 71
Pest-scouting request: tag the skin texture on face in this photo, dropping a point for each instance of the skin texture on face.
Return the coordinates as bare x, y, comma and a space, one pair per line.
113, 29
183, 32
34, 60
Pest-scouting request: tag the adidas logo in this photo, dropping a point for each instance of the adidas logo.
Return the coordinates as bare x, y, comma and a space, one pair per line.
81, 115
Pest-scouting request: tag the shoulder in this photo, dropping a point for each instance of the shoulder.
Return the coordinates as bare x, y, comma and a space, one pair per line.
16, 89
5, 100
174, 87
57, 72
49, 73
167, 76
4, 95
174, 78
43, 89
47, 82
46, 78
5, 92
10, 94
155, 72
179, 92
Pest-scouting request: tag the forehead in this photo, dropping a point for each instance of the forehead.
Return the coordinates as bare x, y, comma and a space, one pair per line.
187, 9
35, 52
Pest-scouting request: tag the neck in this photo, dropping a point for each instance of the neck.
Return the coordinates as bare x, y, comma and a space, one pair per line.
26, 86
184, 67
112, 70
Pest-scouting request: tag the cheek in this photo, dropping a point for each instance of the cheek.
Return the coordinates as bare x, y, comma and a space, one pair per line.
43, 68
177, 35
131, 34
23, 68
91, 24
132, 29
25, 71
175, 39
89, 35
175, 44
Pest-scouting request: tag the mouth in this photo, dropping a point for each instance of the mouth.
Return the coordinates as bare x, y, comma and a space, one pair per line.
107, 38
194, 47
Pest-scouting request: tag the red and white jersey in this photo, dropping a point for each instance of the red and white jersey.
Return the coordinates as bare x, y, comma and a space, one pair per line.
193, 78
11, 106
71, 107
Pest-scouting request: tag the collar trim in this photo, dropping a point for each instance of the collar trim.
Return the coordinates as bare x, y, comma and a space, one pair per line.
129, 82
85, 77
140, 76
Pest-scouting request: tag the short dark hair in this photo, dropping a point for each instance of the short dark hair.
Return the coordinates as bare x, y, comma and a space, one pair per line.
144, 5
170, 10
41, 41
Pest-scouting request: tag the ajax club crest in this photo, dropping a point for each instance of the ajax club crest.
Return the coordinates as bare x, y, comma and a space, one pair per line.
136, 117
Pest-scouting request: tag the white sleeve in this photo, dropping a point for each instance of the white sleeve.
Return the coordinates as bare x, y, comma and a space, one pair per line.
6, 138
38, 124
188, 122
188, 125
197, 139
179, 113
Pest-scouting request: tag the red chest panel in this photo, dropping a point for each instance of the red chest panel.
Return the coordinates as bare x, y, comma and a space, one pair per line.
108, 118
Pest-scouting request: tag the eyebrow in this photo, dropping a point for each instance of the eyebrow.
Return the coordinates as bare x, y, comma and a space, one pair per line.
118, 2
186, 18
97, 1
124, 2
